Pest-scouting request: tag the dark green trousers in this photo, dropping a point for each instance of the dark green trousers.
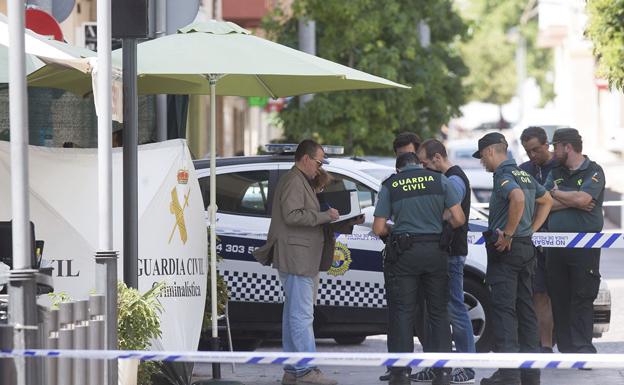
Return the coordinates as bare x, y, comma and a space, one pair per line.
421, 268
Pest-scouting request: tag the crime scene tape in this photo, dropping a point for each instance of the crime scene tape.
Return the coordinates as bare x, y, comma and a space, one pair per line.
473, 360
567, 240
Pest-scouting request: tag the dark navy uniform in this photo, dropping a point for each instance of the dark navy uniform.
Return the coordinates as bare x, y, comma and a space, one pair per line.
415, 200
509, 273
573, 274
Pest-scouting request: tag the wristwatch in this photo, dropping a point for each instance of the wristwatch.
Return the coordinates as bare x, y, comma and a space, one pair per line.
507, 237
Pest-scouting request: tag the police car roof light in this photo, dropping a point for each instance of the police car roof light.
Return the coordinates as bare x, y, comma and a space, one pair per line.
290, 148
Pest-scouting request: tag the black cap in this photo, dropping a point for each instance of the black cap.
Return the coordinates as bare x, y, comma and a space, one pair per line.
488, 140
566, 135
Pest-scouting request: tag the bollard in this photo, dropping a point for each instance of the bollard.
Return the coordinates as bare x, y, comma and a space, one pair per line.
66, 341
81, 334
7, 365
96, 338
51, 342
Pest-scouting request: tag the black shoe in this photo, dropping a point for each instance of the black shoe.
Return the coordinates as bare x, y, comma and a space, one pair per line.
399, 378
442, 378
502, 377
530, 376
385, 376
545, 349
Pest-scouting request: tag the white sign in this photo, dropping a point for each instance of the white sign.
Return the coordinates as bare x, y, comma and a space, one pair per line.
172, 228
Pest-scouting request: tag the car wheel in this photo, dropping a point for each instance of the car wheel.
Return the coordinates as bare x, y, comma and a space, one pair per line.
349, 340
477, 301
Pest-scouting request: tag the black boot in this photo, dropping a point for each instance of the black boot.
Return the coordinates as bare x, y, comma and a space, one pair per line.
530, 376
503, 377
399, 376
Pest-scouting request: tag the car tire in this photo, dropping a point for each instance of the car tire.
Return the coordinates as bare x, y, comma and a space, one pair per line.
477, 300
349, 340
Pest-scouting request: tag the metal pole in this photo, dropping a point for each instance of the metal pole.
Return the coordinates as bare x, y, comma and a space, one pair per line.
216, 369
96, 337
66, 341
22, 301
7, 365
130, 173
161, 100
105, 275
81, 326
51, 330
106, 271
307, 44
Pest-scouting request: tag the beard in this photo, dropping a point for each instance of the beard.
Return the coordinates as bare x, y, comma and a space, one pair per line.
563, 158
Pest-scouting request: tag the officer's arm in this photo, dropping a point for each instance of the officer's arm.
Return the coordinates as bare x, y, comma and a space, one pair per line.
457, 217
544, 203
573, 199
381, 227
516, 208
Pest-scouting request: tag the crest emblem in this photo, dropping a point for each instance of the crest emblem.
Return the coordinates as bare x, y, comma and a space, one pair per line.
176, 208
342, 260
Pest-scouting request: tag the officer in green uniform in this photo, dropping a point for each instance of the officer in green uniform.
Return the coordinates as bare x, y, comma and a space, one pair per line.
577, 187
518, 207
416, 199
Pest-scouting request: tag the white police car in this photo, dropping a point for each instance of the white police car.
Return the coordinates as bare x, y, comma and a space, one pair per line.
351, 302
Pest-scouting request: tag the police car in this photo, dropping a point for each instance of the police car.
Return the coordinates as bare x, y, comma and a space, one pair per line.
351, 301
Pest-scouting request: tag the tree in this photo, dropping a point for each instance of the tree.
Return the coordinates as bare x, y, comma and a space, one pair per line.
490, 50
380, 38
606, 30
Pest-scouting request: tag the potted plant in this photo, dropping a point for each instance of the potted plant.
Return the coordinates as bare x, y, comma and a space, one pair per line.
138, 323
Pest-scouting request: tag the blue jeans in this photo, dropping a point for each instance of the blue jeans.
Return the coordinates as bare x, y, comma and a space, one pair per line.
297, 318
463, 335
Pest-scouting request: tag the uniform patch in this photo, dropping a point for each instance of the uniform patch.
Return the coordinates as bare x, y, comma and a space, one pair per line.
504, 182
342, 260
595, 178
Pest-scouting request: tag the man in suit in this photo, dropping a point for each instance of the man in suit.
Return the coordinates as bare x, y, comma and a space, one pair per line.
300, 243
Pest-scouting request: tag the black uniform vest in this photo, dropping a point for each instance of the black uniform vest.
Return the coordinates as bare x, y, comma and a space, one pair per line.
459, 245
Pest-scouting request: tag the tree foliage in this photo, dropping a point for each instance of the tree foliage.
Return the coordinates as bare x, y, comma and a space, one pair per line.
490, 50
379, 38
606, 30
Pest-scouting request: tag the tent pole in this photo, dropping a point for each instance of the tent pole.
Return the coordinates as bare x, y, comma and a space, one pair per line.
216, 369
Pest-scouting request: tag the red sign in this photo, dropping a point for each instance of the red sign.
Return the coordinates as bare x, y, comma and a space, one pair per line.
43, 23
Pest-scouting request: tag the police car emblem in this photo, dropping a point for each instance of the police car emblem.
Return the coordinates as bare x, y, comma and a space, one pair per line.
342, 260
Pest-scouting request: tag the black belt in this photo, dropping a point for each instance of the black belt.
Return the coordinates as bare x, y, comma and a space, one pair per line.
420, 237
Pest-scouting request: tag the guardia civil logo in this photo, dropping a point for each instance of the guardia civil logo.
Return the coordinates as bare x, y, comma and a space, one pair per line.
177, 208
342, 260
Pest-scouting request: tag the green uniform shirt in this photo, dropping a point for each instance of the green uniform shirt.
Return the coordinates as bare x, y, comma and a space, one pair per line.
508, 177
415, 200
588, 178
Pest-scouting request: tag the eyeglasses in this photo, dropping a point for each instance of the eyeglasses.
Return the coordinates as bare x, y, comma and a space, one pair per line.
318, 162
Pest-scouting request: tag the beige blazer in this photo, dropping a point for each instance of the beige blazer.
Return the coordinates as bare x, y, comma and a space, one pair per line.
300, 241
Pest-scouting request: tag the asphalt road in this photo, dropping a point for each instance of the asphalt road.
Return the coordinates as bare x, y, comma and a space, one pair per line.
612, 270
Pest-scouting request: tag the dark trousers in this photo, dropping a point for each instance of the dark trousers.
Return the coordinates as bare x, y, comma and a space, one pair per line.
421, 268
510, 278
573, 283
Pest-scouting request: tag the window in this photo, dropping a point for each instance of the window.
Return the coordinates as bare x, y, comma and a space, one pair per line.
366, 195
243, 193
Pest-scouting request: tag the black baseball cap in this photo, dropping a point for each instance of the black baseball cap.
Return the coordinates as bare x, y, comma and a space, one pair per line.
488, 140
566, 135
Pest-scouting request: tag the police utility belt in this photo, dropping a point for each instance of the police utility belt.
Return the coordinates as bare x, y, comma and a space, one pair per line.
399, 243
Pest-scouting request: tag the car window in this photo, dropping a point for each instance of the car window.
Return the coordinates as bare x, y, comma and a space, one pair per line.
341, 182
244, 193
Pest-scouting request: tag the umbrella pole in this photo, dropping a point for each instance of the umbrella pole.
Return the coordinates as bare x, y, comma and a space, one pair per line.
214, 341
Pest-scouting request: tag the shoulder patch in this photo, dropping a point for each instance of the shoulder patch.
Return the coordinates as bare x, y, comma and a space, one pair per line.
504, 182
596, 177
